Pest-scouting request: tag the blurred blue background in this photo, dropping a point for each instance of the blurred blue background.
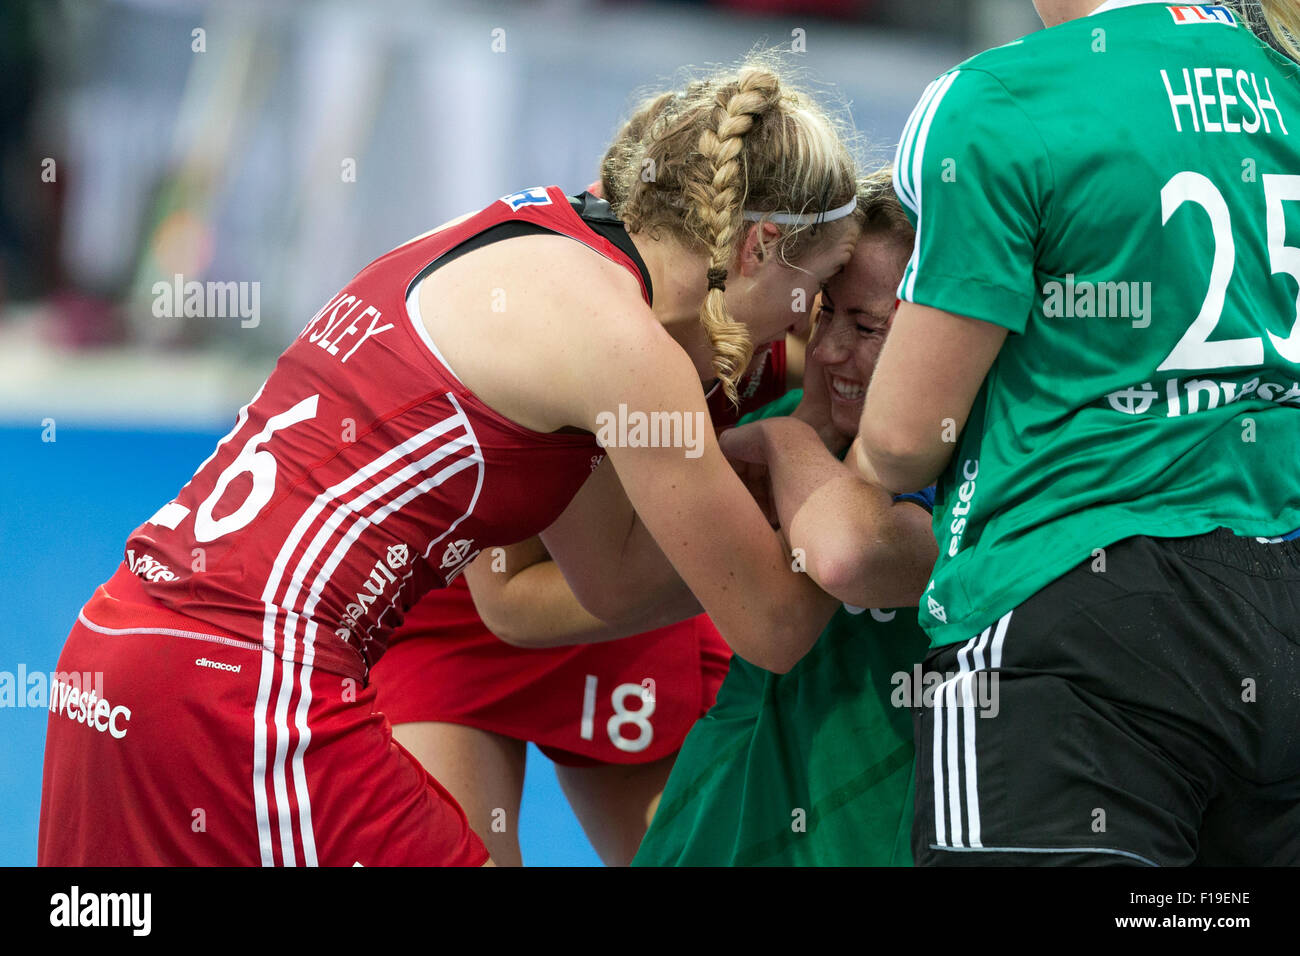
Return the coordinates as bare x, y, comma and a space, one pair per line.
288, 144
70, 504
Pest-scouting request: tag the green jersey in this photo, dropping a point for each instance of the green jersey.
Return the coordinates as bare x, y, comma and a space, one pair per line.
811, 767
1122, 193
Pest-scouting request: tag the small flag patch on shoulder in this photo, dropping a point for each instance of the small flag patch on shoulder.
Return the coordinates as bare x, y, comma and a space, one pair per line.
1203, 13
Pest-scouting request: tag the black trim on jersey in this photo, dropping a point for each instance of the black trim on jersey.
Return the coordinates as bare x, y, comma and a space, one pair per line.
509, 229
594, 212
597, 214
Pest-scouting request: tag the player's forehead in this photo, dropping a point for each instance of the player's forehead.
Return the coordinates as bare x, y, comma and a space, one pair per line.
870, 278
833, 252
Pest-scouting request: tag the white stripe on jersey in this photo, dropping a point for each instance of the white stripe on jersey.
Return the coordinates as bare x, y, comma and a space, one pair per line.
949, 693
901, 168
362, 523
341, 510
260, 802
999, 636
961, 759
367, 498
469, 510
309, 516
287, 670
299, 771
914, 174
465, 441
972, 793
936, 770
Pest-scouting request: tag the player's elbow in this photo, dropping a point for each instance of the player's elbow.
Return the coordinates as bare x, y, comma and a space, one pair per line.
510, 619
502, 623
841, 550
870, 562
511, 634
788, 650
901, 461
786, 640
838, 568
599, 598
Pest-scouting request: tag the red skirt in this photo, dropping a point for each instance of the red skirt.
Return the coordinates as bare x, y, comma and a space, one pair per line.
623, 702
171, 742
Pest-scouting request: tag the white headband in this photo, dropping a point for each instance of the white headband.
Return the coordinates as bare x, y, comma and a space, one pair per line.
802, 218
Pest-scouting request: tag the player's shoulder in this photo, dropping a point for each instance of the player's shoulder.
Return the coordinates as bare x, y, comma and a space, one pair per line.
576, 275
998, 94
1041, 60
1029, 60
588, 307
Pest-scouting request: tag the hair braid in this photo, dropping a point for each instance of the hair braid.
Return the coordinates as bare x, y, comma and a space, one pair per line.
719, 200
688, 165
1283, 19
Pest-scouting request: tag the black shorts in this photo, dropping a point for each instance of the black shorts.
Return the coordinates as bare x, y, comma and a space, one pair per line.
1144, 708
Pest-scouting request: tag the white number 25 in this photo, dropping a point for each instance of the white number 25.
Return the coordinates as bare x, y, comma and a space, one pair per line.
1195, 350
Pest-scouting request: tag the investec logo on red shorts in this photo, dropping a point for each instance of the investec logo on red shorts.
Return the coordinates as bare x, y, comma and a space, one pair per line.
88, 707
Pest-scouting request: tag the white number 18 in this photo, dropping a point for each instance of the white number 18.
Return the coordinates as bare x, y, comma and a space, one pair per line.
639, 718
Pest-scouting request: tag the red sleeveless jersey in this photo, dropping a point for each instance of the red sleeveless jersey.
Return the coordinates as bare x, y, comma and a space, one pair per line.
363, 473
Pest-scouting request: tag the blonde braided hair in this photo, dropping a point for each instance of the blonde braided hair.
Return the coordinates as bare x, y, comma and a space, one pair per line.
690, 164
719, 201
626, 146
1282, 18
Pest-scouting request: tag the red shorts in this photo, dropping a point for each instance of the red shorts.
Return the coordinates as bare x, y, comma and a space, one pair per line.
200, 748
629, 701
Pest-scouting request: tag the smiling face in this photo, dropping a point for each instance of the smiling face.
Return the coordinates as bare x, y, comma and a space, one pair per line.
857, 306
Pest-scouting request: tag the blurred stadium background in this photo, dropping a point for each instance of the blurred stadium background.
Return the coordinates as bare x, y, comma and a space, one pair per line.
284, 145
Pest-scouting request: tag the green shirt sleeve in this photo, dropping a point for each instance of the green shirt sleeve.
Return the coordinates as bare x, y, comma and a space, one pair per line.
972, 172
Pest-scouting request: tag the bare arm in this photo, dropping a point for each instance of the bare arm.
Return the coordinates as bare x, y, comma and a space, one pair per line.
523, 598
608, 349
858, 544
901, 440
612, 562
697, 511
